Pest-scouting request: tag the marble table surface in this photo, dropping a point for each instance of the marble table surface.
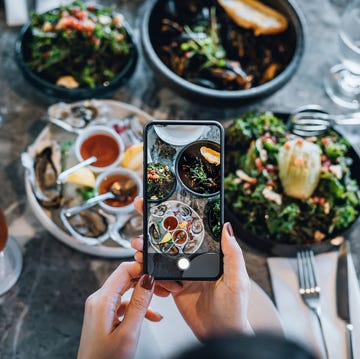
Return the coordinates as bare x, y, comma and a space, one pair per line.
41, 316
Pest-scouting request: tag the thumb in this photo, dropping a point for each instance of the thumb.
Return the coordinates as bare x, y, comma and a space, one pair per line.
234, 263
139, 304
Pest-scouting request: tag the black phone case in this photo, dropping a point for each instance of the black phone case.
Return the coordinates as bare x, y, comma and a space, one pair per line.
148, 261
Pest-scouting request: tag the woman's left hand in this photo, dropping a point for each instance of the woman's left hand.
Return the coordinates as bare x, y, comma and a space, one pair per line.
104, 335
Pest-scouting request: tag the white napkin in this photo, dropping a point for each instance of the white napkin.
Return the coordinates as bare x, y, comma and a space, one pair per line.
172, 335
299, 322
46, 5
16, 12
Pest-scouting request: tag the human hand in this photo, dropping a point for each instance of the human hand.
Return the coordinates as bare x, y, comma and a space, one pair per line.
210, 308
103, 334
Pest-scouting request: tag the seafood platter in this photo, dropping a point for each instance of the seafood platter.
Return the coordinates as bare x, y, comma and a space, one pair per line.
80, 192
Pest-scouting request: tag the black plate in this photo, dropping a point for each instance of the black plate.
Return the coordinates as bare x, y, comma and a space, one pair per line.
48, 88
289, 250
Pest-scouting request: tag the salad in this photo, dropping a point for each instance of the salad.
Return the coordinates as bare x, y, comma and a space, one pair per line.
286, 188
160, 181
78, 45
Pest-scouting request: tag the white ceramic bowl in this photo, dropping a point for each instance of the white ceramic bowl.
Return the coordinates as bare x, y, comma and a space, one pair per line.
122, 171
93, 130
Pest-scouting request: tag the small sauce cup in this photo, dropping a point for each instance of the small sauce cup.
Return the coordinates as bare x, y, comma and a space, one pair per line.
104, 182
103, 143
170, 223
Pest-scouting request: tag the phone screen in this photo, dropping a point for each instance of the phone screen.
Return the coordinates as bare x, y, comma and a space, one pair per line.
183, 194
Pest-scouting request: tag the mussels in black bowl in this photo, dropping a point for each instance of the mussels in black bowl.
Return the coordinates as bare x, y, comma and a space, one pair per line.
198, 168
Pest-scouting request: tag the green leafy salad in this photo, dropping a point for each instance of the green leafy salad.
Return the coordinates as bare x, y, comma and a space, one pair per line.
78, 45
286, 188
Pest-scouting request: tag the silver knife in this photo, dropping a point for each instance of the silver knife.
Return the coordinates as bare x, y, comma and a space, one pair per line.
342, 296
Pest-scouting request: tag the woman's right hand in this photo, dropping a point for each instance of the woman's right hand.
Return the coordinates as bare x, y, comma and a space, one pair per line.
211, 308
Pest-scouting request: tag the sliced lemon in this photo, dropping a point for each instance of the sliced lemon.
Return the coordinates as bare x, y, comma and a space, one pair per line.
82, 177
183, 224
133, 157
210, 155
166, 238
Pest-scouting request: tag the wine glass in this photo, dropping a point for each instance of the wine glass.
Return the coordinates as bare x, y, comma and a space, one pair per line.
342, 83
10, 257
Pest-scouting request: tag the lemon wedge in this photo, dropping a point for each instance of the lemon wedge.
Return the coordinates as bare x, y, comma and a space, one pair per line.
210, 155
133, 157
82, 177
183, 224
166, 238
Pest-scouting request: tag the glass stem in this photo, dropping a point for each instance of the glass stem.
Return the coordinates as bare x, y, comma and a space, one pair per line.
2, 264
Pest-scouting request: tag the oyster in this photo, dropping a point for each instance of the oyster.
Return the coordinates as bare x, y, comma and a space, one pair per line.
159, 211
154, 232
185, 211
132, 228
90, 226
89, 223
189, 247
75, 117
43, 164
253, 14
169, 248
46, 179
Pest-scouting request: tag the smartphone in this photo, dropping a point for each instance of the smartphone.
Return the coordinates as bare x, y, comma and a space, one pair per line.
183, 199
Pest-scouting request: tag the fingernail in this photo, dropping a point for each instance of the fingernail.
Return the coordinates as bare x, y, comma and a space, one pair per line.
147, 281
230, 229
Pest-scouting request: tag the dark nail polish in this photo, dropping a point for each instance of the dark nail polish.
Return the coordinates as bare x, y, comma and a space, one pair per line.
230, 229
147, 281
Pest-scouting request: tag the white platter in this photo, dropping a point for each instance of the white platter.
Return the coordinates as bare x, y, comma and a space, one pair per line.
118, 109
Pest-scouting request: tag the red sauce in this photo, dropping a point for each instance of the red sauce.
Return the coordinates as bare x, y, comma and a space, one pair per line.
170, 223
3, 230
104, 147
179, 236
105, 187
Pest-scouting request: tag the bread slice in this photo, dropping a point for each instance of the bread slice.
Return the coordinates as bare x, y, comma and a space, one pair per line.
253, 14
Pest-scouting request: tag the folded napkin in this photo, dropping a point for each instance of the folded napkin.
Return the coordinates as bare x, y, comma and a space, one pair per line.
16, 12
299, 322
172, 335
46, 5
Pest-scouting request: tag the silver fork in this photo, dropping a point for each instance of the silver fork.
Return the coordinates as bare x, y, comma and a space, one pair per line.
312, 120
309, 288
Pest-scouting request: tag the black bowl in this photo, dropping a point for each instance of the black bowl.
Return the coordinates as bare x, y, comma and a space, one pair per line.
63, 93
208, 215
275, 248
194, 148
296, 38
169, 194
